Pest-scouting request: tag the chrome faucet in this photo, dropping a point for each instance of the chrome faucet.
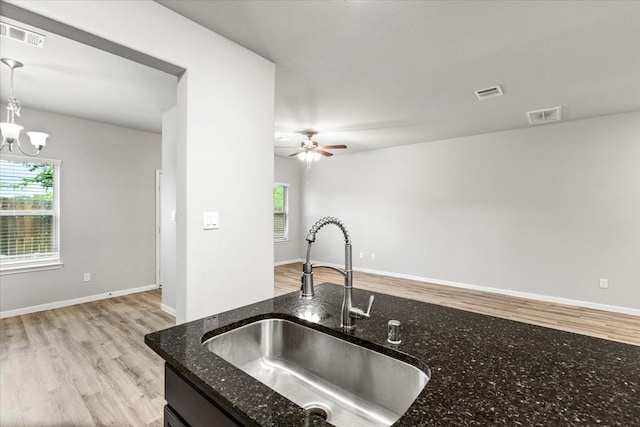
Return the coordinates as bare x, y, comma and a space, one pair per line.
349, 313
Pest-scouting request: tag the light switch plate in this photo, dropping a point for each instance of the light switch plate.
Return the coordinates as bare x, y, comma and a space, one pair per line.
211, 220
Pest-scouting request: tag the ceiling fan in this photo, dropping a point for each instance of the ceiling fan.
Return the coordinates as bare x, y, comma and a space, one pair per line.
312, 151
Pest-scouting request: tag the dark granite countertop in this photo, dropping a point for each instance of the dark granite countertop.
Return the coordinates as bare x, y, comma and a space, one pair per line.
484, 370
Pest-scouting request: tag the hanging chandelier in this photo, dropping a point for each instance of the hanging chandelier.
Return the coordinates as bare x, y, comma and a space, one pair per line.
11, 130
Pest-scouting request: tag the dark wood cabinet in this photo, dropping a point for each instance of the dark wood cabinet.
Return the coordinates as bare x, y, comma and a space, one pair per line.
189, 407
171, 419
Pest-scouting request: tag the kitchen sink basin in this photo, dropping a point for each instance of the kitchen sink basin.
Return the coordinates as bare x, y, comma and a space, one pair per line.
344, 383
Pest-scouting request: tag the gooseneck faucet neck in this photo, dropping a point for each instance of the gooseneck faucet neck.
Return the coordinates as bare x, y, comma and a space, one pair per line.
311, 237
349, 312
306, 290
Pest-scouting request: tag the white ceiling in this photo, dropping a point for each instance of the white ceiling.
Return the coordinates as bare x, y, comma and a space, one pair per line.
372, 74
71, 78
375, 74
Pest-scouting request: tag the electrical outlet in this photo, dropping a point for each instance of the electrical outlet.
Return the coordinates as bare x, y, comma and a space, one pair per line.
604, 283
373, 256
87, 277
361, 255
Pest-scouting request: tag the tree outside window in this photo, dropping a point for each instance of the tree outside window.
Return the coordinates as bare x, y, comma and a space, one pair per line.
28, 212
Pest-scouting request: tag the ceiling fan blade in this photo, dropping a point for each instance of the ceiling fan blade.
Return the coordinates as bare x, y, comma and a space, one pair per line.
332, 147
323, 153
294, 154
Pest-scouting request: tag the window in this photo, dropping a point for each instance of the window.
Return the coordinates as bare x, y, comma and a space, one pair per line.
280, 212
29, 213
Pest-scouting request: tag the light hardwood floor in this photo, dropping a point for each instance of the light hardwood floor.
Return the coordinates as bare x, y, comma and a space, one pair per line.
83, 365
602, 324
87, 365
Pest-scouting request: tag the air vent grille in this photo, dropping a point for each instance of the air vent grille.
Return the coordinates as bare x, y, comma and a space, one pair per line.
21, 35
490, 92
545, 115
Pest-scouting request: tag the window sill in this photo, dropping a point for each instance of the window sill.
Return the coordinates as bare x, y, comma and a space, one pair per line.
282, 241
30, 268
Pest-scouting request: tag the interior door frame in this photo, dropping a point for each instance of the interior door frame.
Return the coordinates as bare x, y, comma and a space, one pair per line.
158, 227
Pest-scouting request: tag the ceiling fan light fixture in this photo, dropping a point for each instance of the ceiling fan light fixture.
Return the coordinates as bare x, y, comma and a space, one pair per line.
311, 151
309, 156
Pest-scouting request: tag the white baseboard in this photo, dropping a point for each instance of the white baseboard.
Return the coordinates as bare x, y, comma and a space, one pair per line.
167, 309
291, 261
518, 294
66, 303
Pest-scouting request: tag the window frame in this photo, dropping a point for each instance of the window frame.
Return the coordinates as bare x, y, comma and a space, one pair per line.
285, 237
46, 263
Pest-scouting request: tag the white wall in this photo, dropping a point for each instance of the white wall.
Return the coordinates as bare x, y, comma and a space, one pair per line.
107, 206
545, 210
289, 171
167, 206
224, 154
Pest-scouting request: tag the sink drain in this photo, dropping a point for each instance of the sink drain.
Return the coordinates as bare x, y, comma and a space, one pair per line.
318, 410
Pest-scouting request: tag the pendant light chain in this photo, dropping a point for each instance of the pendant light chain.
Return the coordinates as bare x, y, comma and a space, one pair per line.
14, 104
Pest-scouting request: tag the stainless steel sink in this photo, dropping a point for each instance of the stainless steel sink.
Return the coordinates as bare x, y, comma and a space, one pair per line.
344, 383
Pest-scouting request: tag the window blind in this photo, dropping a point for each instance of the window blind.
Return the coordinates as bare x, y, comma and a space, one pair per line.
279, 228
280, 211
28, 211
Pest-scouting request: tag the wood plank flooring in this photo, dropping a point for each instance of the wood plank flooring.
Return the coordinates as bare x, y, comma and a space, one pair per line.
597, 323
83, 365
87, 365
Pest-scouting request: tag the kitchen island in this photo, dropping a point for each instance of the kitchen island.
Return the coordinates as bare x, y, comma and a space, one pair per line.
484, 370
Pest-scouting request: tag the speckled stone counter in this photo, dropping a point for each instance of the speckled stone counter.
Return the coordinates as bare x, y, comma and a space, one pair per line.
484, 370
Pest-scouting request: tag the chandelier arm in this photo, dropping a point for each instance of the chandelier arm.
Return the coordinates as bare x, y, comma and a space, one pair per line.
25, 153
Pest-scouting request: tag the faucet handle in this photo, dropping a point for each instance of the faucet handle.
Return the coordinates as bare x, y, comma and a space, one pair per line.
357, 313
371, 298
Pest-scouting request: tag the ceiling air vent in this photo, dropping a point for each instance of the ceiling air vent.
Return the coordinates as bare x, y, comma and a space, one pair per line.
490, 92
21, 35
546, 115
